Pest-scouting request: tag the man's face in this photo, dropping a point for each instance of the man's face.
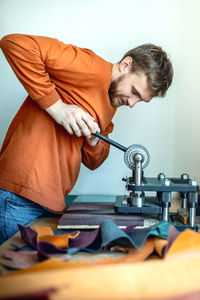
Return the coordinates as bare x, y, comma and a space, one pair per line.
129, 89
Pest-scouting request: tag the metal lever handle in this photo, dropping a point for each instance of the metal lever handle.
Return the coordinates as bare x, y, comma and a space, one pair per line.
111, 142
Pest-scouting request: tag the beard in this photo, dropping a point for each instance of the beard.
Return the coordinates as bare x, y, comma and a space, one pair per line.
112, 92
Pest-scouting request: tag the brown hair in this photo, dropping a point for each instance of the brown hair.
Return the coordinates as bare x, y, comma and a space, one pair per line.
154, 62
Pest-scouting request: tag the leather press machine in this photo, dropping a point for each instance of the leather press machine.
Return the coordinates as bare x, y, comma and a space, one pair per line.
137, 158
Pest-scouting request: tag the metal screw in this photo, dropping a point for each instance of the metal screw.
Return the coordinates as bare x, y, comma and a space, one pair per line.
167, 182
124, 200
184, 176
193, 182
161, 176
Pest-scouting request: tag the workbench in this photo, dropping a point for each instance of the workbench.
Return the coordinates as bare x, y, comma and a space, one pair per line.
119, 281
51, 220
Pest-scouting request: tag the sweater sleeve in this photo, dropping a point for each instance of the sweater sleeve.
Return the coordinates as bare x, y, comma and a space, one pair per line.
29, 56
94, 156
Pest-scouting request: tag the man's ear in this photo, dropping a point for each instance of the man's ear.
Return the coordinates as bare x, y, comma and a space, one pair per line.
125, 64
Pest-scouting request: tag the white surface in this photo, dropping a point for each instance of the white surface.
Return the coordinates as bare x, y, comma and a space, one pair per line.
168, 127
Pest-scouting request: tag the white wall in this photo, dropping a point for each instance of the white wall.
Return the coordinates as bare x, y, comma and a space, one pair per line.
168, 127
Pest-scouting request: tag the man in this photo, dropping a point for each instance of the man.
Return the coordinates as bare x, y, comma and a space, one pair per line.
72, 93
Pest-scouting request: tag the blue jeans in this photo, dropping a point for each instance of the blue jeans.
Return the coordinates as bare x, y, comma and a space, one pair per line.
14, 210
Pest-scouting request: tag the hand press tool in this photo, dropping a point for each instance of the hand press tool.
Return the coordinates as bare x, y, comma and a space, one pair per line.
137, 157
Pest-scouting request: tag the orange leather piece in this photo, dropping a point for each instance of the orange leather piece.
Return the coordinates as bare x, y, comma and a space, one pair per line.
159, 245
61, 241
46, 234
43, 230
187, 243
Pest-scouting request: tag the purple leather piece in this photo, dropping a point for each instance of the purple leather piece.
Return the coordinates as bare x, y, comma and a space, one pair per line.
25, 259
194, 295
46, 250
173, 234
28, 235
129, 228
19, 259
84, 239
40, 295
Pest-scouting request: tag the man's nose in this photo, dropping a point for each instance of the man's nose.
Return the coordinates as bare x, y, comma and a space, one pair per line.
132, 101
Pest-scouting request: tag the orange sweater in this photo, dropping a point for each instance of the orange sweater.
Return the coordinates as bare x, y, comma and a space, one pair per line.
39, 160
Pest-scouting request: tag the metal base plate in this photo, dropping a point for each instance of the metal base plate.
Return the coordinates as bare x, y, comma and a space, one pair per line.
151, 207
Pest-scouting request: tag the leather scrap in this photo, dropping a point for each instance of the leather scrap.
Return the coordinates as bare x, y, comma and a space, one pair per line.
121, 281
139, 243
19, 259
186, 242
97, 239
173, 234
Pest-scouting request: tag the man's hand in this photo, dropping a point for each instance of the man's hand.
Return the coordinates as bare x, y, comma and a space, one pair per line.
75, 120
93, 140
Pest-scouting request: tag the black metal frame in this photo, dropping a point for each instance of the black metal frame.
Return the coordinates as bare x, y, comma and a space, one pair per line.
155, 205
